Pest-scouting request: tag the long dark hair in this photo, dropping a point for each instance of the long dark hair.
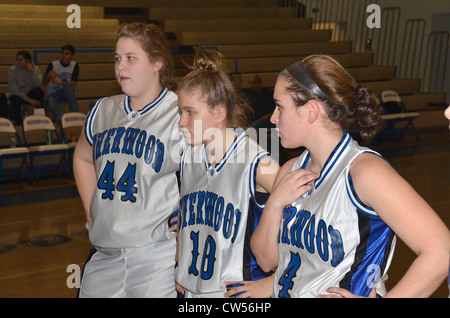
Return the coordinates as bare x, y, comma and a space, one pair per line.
26, 55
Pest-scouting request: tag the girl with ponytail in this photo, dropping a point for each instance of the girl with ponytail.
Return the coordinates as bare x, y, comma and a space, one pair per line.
225, 179
330, 224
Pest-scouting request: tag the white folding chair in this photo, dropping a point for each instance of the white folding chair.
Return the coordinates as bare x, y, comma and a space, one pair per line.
71, 123
398, 119
40, 147
71, 127
15, 152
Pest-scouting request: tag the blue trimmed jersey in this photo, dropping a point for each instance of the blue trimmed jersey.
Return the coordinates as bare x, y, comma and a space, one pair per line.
218, 212
64, 72
136, 160
328, 237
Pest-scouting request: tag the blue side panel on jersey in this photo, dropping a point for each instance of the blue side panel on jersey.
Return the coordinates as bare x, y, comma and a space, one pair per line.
373, 261
256, 271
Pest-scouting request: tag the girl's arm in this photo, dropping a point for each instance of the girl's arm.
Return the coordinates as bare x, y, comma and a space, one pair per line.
263, 288
411, 218
84, 173
266, 173
288, 187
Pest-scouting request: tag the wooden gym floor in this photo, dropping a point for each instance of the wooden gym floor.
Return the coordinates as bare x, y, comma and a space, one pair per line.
42, 226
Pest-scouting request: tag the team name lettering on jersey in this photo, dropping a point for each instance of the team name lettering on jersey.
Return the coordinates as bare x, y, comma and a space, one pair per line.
207, 208
130, 141
306, 235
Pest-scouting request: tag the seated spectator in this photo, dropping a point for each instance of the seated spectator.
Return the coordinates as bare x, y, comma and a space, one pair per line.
24, 84
261, 101
63, 76
263, 105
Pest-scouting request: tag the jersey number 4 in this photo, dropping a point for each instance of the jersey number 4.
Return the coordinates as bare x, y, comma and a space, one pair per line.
286, 280
125, 184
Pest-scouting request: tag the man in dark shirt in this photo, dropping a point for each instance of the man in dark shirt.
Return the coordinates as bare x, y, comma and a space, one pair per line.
261, 101
263, 105
259, 98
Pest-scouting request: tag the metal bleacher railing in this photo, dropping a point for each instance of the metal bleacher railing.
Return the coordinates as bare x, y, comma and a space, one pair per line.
415, 60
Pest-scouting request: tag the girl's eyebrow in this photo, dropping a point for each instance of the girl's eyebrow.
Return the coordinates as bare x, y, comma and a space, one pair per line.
128, 53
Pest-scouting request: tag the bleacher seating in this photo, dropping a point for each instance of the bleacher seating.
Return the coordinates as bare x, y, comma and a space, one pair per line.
233, 25
42, 30
255, 36
237, 11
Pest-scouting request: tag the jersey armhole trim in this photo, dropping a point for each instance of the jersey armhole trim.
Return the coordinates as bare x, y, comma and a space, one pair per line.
252, 176
89, 122
183, 160
353, 196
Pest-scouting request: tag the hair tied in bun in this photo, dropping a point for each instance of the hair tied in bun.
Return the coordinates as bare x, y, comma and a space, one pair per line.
358, 92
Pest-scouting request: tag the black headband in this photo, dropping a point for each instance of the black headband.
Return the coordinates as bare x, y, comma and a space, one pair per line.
301, 75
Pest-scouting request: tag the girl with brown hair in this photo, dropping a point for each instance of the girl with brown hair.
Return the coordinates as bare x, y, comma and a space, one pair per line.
126, 174
330, 223
225, 179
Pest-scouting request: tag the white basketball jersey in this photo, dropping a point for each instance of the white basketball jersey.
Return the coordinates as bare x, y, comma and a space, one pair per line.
328, 237
64, 73
215, 224
136, 159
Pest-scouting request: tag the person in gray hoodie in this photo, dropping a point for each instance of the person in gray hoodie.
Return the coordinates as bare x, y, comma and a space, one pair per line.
24, 83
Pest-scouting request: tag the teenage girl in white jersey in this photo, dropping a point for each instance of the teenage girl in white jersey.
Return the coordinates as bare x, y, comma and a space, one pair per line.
125, 172
328, 226
225, 178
